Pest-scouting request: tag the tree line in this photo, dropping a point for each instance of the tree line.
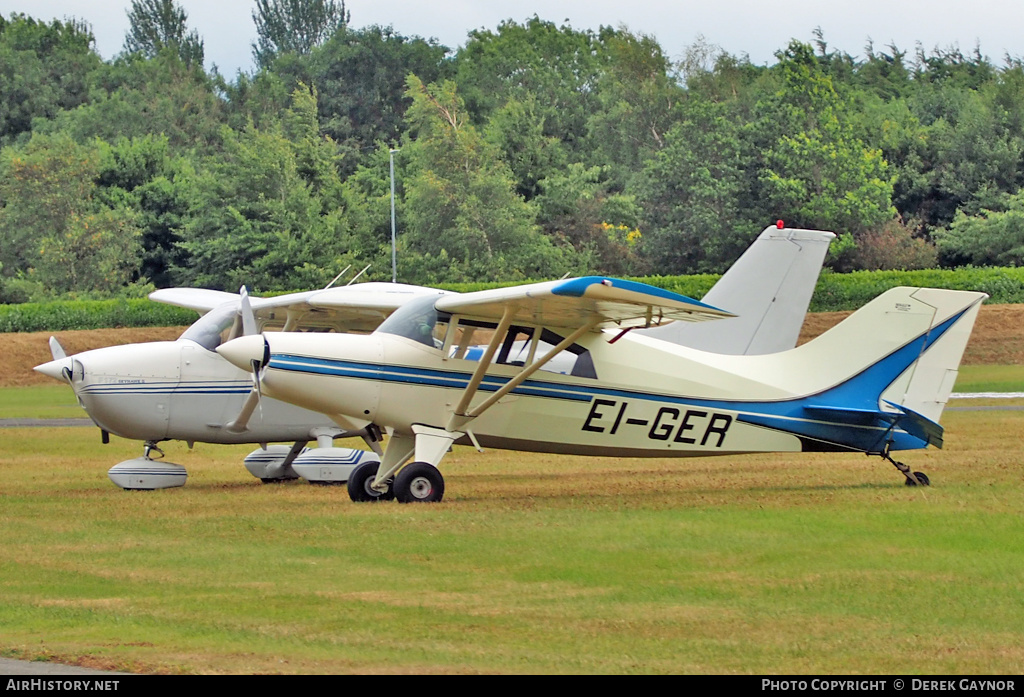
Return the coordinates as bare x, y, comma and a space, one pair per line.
531, 151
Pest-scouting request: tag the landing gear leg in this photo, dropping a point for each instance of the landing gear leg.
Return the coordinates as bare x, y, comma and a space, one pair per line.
912, 478
148, 448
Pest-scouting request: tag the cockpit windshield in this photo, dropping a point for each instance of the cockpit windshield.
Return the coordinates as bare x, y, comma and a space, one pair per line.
416, 320
209, 330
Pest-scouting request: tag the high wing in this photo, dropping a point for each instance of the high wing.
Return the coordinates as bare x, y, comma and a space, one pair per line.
202, 300
357, 307
592, 301
345, 308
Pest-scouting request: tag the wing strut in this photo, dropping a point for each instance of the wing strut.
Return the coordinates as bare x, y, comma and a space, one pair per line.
463, 414
485, 360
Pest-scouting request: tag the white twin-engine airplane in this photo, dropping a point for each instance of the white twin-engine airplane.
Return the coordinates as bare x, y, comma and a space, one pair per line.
183, 390
875, 383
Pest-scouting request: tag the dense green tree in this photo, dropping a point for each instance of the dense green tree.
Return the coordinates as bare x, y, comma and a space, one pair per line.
463, 216
572, 148
136, 97
576, 206
559, 66
639, 103
992, 237
159, 25
267, 212
816, 173
294, 26
44, 68
692, 194
359, 75
886, 75
516, 129
54, 228
141, 174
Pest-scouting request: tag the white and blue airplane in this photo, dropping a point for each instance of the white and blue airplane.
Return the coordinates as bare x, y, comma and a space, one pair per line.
184, 390
876, 383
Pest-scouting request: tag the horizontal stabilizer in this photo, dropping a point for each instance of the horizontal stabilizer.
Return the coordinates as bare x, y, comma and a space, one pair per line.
915, 424
919, 425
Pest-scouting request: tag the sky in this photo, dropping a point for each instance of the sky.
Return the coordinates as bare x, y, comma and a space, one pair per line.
756, 28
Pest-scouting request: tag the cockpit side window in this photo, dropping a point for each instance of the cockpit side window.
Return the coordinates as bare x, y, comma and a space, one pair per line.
517, 348
420, 321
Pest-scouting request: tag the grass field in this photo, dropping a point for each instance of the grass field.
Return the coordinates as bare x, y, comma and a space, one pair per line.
533, 564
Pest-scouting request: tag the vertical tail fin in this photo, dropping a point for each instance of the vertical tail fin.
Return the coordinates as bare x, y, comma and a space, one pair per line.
924, 388
769, 288
878, 380
908, 344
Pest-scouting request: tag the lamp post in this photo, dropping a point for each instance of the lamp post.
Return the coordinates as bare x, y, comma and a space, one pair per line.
394, 261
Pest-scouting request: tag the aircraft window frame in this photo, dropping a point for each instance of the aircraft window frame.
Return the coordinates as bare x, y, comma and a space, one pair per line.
536, 341
420, 321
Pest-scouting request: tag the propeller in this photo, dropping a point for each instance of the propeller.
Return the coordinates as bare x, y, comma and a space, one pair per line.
253, 399
61, 367
257, 365
56, 350
245, 309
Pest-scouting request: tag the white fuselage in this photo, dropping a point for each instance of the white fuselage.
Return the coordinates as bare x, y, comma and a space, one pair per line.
179, 390
632, 409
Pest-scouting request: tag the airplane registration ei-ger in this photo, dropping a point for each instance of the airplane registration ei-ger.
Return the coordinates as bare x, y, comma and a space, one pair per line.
875, 383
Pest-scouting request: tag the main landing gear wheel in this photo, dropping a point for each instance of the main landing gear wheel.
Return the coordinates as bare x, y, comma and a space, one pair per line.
359, 489
921, 477
419, 482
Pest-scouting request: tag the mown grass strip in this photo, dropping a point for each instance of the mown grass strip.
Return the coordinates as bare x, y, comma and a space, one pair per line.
540, 564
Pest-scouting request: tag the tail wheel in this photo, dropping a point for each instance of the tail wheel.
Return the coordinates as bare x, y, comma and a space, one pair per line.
359, 489
921, 477
419, 482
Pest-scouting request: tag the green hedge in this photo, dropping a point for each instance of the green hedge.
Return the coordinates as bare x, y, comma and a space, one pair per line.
849, 291
91, 314
834, 292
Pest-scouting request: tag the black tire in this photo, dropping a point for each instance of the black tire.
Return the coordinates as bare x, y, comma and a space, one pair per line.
359, 489
419, 482
922, 477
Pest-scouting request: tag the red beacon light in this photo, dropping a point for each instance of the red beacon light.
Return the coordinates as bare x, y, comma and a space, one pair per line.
780, 224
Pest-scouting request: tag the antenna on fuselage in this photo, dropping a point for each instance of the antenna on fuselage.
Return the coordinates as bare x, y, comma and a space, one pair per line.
356, 277
335, 279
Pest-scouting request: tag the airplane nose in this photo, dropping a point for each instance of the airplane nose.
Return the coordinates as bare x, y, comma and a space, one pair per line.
244, 350
59, 369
